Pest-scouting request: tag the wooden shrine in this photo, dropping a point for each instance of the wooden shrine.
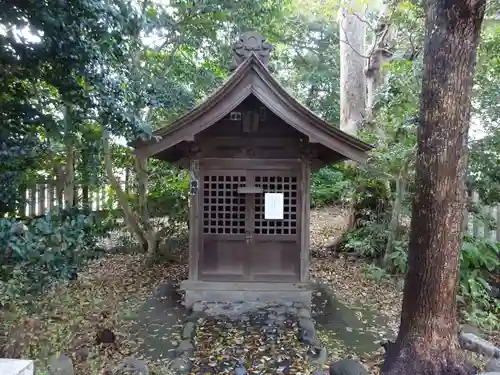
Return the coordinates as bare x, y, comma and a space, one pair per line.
250, 148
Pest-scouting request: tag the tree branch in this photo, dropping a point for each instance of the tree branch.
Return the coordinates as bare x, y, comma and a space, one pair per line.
341, 24
364, 21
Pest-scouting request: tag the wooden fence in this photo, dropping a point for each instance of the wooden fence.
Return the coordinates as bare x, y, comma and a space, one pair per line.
42, 197
45, 195
487, 226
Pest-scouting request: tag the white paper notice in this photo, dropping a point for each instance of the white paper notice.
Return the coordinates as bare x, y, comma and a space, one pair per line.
273, 206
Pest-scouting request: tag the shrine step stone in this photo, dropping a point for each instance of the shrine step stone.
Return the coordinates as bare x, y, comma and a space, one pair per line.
270, 316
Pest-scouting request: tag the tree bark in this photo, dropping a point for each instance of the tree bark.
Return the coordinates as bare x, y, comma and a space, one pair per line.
427, 342
379, 55
69, 177
352, 32
396, 214
131, 221
141, 167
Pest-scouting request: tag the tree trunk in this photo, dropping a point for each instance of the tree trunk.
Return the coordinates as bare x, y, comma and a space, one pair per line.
131, 221
427, 342
379, 54
352, 32
396, 214
141, 167
69, 177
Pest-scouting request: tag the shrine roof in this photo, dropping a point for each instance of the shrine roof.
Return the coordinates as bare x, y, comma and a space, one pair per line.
252, 77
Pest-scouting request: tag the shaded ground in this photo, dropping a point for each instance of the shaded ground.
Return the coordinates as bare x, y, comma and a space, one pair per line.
158, 324
264, 341
145, 313
352, 311
113, 293
355, 330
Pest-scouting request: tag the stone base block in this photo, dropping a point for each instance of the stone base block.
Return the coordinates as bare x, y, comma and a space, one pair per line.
16, 367
213, 292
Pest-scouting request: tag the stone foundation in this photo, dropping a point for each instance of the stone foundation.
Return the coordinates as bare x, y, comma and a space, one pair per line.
278, 293
270, 317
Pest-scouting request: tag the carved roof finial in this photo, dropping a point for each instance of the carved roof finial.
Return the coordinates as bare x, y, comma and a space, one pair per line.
248, 43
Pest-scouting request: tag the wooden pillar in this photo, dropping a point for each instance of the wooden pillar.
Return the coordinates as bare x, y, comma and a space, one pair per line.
194, 222
305, 218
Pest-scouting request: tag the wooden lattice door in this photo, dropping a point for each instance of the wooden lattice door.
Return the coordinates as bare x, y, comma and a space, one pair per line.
223, 225
275, 252
238, 241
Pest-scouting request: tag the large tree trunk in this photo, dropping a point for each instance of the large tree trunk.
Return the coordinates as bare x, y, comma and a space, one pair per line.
352, 32
379, 54
427, 342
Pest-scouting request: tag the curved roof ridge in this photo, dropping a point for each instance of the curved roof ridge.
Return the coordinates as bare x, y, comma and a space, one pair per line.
237, 87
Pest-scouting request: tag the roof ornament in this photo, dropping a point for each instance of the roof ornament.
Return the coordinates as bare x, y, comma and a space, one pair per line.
249, 42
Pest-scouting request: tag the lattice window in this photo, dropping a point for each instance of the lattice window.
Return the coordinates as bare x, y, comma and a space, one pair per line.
223, 206
287, 186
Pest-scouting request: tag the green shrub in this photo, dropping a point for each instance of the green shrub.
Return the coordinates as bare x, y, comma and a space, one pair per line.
368, 240
329, 186
169, 196
479, 259
35, 253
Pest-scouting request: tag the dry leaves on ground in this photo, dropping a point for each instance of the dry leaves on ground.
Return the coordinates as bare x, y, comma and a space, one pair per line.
223, 344
348, 278
105, 296
108, 293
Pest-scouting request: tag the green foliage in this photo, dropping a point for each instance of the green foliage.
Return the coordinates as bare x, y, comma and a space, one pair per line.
45, 249
46, 49
307, 59
478, 260
484, 167
370, 240
329, 186
375, 273
168, 191
480, 255
396, 107
487, 76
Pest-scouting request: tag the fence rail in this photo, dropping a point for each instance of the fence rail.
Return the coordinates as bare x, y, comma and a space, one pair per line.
488, 225
43, 197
